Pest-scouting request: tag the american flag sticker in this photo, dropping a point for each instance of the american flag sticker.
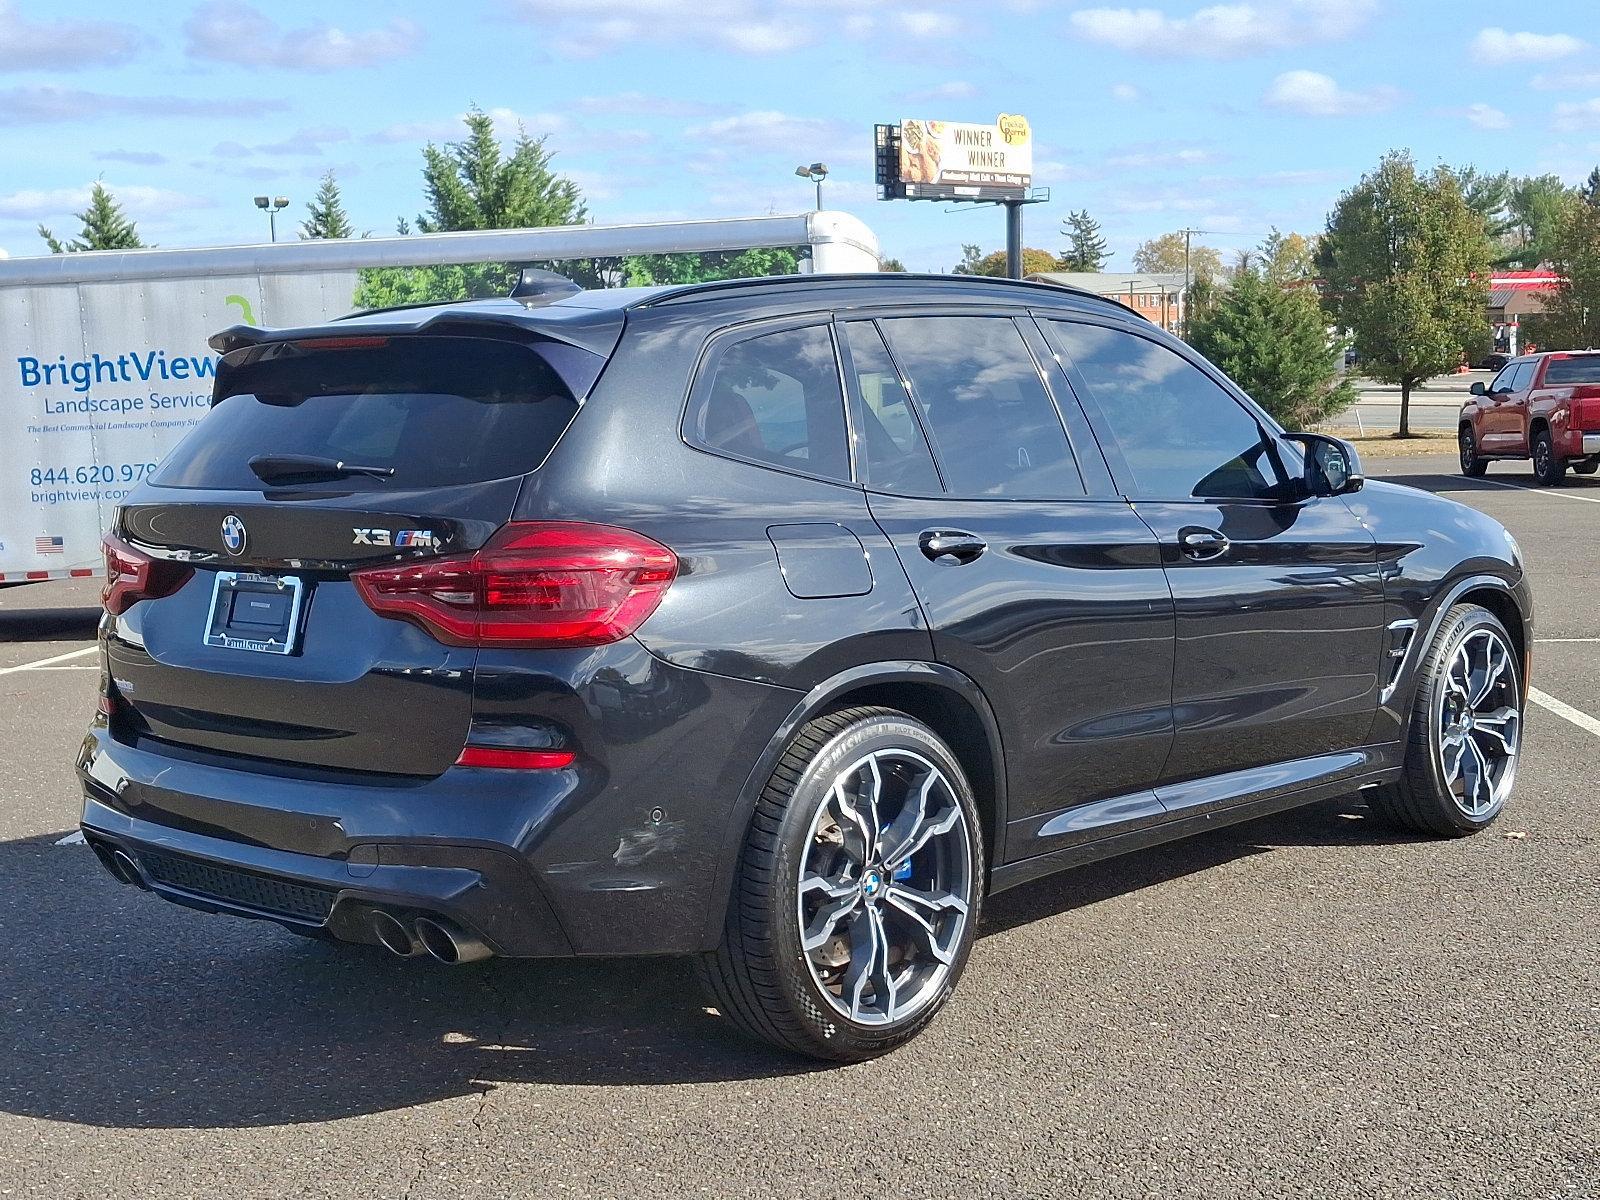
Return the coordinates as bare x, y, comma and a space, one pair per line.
49, 545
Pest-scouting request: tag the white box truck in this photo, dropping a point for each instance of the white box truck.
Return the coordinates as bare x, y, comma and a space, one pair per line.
104, 363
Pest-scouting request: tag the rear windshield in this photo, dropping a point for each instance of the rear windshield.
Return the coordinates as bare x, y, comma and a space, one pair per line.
1564, 371
435, 410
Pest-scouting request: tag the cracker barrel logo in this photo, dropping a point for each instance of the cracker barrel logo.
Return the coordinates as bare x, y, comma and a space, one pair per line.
1014, 129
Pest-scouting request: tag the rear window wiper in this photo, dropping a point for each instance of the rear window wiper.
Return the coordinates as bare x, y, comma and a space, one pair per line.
271, 467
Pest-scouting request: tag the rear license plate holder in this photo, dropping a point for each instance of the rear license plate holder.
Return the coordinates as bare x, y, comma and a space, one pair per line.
260, 613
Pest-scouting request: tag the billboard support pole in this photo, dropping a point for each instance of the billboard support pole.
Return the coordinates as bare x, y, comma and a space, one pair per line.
1014, 238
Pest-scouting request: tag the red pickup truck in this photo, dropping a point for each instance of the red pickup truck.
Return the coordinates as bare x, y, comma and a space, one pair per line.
1541, 406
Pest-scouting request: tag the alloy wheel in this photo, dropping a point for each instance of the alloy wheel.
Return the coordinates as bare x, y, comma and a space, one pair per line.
1469, 450
1479, 721
886, 884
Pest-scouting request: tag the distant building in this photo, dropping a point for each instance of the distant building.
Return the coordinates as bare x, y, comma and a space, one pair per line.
1156, 295
1514, 295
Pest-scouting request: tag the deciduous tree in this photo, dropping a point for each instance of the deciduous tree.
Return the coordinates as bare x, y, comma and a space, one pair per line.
1406, 268
1164, 255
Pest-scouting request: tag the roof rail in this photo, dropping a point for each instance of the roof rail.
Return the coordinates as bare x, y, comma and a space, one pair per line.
694, 291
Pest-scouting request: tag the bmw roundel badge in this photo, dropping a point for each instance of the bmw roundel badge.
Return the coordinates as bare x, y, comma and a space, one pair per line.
233, 534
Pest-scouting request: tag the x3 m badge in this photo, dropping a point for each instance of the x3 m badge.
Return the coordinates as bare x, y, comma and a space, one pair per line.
404, 538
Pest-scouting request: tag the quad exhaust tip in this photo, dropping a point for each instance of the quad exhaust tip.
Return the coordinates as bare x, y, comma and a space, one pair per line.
121, 865
394, 936
448, 943
439, 939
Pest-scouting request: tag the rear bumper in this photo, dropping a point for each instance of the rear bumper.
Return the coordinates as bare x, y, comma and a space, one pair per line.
1589, 443
616, 855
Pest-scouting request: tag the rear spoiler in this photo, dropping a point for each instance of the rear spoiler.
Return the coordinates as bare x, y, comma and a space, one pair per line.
596, 330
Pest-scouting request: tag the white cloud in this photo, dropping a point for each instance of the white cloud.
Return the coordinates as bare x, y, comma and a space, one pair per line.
223, 31
61, 45
137, 200
1312, 94
1163, 159
508, 124
1126, 93
586, 28
1484, 116
1223, 30
1495, 46
137, 158
1565, 81
306, 143
955, 89
1578, 116
770, 130
49, 103
640, 104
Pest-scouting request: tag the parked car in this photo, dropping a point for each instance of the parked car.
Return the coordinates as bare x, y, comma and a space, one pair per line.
1492, 361
775, 623
1543, 407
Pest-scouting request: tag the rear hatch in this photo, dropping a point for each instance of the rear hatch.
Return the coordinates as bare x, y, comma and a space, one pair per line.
323, 456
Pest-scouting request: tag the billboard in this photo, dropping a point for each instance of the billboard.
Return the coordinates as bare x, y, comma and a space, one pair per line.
955, 160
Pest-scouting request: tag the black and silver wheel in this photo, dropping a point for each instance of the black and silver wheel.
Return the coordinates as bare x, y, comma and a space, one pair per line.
1471, 464
1466, 730
858, 893
1548, 469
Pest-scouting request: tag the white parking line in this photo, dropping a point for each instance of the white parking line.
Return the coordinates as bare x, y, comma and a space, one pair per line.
1565, 711
1528, 487
45, 662
1563, 641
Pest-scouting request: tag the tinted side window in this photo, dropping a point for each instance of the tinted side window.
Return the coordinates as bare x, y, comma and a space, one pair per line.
1180, 433
894, 452
1502, 381
775, 398
1523, 377
995, 426
1563, 372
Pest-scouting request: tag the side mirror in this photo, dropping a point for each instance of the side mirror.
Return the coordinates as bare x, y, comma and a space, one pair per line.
1333, 467
1477, 388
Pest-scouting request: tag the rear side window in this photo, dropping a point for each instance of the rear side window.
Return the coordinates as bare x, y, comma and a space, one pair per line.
1564, 372
775, 398
435, 410
986, 408
894, 452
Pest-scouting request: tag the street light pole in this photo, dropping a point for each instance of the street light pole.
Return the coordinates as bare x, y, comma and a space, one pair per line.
816, 172
272, 206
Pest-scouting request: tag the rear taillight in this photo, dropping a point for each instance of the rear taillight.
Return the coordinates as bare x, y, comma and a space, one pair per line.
132, 576
555, 583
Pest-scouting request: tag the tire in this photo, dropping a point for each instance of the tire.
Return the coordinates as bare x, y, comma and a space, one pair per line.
832, 1001
1548, 470
1429, 798
1471, 465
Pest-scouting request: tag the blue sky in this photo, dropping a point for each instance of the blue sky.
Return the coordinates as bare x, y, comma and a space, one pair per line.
1231, 118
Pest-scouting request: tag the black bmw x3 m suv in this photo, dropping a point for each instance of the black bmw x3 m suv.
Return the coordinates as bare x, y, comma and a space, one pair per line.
774, 622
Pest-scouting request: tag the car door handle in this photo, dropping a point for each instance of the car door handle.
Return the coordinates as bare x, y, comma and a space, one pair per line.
1202, 544
951, 545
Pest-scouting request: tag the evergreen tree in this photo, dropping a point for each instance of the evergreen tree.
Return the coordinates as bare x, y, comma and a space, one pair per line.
1272, 340
1406, 266
325, 215
105, 227
1086, 249
1591, 188
1536, 207
475, 184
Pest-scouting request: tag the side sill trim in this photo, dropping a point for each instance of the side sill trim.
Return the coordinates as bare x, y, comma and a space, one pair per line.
1157, 832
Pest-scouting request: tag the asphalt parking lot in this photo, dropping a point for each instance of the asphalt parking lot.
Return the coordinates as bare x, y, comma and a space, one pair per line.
1306, 1005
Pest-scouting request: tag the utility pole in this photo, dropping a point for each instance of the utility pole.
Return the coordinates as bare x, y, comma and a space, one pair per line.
1183, 309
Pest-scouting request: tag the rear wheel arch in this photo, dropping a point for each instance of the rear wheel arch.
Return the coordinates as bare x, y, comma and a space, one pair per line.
946, 700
